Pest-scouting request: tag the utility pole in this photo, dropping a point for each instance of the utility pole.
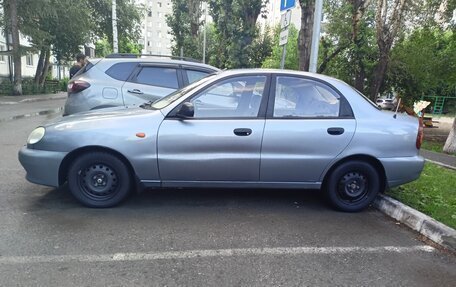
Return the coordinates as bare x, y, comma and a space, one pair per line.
115, 44
204, 32
316, 36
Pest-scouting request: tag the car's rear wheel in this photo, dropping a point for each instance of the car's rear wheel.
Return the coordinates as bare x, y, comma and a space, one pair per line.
99, 179
353, 185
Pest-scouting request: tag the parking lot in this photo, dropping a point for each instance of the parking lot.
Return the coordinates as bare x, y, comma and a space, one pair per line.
199, 237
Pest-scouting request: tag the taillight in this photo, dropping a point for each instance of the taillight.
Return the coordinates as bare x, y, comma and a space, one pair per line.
420, 135
77, 86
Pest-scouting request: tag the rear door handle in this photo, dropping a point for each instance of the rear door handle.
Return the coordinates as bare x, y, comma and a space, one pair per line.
242, 132
335, 131
135, 91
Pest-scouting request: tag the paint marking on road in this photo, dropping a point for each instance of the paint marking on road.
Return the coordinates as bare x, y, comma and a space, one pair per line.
151, 256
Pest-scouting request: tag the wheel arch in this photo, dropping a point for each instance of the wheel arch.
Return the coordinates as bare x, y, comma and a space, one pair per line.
69, 158
360, 157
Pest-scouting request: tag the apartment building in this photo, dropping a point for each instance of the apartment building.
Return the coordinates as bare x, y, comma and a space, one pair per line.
156, 38
29, 61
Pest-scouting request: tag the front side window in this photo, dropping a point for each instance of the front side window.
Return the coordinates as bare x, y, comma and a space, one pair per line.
298, 97
238, 97
158, 76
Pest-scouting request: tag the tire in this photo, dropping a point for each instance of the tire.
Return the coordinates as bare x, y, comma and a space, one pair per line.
353, 185
99, 179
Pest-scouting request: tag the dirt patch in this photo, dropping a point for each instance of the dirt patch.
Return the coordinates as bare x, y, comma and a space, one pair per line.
440, 130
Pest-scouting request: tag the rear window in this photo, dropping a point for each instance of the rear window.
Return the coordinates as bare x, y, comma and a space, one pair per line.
121, 71
84, 69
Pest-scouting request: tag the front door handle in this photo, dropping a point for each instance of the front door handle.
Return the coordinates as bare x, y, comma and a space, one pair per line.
136, 91
242, 132
335, 131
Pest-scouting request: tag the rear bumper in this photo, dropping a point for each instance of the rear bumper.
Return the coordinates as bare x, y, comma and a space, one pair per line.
400, 170
42, 166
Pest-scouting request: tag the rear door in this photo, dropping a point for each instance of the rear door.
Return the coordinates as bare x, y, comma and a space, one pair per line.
150, 82
308, 124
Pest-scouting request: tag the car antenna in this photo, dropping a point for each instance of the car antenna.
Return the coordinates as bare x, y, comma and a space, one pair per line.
397, 108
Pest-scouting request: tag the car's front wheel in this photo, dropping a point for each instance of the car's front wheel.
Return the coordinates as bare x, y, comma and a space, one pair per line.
353, 185
99, 179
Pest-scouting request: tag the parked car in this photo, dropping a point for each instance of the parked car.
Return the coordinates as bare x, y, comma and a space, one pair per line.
386, 104
126, 80
236, 129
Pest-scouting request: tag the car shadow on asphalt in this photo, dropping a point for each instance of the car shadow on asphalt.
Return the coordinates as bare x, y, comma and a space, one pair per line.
61, 198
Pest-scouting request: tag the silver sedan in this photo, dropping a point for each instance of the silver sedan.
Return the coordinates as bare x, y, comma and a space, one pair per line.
236, 129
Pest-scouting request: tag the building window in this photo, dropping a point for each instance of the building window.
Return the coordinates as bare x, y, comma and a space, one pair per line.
148, 43
2, 58
29, 60
159, 4
159, 34
149, 13
160, 14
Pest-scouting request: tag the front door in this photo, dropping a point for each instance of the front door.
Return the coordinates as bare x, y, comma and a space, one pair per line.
222, 142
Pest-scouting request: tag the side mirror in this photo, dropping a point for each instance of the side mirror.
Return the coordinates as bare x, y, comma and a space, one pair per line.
186, 111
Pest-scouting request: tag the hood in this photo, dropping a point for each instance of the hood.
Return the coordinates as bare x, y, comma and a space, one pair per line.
107, 114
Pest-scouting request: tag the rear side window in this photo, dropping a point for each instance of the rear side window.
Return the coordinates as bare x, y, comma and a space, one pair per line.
158, 76
121, 71
194, 75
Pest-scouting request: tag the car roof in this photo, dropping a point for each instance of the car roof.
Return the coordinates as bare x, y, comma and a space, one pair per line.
279, 71
151, 59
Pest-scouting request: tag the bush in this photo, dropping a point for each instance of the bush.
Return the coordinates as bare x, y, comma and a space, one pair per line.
30, 88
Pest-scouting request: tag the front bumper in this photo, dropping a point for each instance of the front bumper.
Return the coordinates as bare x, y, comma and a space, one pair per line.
400, 170
42, 166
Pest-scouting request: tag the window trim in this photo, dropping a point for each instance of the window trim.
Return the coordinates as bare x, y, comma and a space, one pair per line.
261, 112
344, 104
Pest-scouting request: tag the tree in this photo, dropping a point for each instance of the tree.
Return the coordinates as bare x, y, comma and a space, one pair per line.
291, 58
388, 20
185, 24
305, 33
11, 9
423, 64
450, 144
236, 30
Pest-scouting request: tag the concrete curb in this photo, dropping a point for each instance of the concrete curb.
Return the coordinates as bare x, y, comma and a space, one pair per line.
31, 100
441, 164
425, 225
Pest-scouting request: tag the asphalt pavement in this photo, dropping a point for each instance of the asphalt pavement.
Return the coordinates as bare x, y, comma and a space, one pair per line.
199, 237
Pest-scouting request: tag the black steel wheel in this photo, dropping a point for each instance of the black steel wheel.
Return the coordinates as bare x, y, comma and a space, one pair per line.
353, 185
99, 179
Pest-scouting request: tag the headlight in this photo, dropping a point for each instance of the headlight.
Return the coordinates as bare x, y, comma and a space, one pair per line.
36, 135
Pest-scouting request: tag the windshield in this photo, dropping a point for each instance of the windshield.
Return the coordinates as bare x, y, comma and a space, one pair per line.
171, 98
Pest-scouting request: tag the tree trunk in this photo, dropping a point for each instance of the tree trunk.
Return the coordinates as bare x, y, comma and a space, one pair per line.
450, 144
39, 66
379, 76
17, 82
305, 33
46, 67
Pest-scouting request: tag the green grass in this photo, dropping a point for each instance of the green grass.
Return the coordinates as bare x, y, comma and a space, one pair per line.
434, 146
434, 194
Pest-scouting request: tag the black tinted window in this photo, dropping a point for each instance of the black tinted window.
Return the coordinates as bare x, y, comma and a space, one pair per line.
121, 71
158, 76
